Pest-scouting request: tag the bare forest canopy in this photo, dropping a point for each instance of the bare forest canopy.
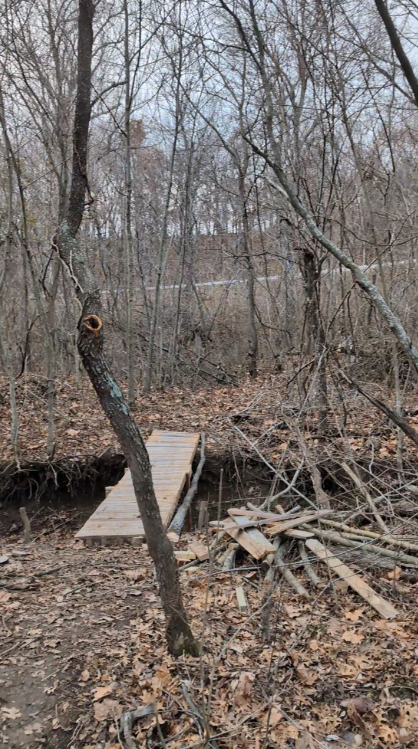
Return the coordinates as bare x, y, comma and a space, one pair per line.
205, 268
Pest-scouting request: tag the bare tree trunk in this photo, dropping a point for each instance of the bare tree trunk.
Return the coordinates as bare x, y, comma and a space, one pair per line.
316, 333
90, 346
252, 355
128, 213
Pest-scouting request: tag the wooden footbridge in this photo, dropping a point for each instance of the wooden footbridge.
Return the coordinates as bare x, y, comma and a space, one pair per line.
117, 517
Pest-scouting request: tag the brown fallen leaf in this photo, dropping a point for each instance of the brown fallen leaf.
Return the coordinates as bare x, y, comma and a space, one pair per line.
275, 716
361, 705
395, 573
85, 675
305, 675
102, 692
353, 637
243, 689
354, 616
305, 741
12, 713
107, 709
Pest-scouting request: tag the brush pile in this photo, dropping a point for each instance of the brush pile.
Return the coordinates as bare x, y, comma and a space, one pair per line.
271, 538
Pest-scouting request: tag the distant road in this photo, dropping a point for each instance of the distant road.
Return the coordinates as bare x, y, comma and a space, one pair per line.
261, 279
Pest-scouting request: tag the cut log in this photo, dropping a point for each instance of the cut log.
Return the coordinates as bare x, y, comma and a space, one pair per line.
385, 609
251, 539
229, 561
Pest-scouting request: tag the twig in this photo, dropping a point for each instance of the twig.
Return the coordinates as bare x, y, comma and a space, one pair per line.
356, 480
203, 729
369, 546
127, 720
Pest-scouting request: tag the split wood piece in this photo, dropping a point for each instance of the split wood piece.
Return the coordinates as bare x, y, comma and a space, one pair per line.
360, 486
385, 609
294, 522
178, 521
26, 524
307, 565
252, 540
200, 551
392, 540
229, 561
371, 548
280, 564
242, 600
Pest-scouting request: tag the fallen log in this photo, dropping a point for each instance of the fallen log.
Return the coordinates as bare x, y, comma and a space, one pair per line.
178, 521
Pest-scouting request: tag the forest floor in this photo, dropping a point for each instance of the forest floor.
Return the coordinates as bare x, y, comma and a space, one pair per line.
267, 408
82, 642
82, 631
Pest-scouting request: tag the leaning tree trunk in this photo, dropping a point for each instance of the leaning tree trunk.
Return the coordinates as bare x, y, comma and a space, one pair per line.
90, 347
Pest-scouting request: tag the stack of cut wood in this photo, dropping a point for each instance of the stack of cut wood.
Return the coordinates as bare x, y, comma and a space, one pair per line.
265, 536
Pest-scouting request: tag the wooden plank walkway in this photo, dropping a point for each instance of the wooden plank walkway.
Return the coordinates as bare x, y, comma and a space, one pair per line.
117, 517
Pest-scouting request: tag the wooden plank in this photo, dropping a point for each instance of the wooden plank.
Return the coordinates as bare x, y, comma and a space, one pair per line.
251, 539
384, 608
171, 457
